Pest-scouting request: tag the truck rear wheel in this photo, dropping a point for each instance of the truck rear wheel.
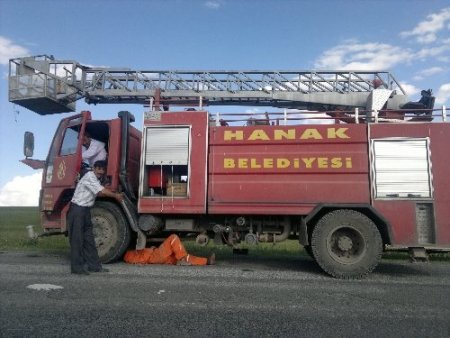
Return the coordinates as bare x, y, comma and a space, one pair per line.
346, 244
111, 231
309, 251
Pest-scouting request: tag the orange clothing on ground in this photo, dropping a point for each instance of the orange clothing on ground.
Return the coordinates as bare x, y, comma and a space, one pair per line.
169, 252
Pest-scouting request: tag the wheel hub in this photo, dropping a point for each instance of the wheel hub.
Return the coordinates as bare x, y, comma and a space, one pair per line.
345, 243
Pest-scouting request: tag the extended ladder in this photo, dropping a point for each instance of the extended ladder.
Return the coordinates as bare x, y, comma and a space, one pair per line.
45, 85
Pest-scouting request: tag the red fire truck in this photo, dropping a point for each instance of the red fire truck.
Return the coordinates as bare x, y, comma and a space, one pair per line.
375, 178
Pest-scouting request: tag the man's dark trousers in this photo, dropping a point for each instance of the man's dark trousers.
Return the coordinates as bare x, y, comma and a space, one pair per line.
81, 236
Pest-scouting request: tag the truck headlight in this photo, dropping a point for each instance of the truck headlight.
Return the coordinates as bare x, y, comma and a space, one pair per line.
49, 176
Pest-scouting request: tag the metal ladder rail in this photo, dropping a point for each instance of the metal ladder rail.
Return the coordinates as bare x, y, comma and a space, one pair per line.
111, 85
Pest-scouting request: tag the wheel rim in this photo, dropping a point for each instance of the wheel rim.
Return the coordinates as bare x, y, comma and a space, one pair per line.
105, 234
346, 245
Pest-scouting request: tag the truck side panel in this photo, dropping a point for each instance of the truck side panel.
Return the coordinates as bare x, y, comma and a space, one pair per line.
194, 200
405, 214
286, 169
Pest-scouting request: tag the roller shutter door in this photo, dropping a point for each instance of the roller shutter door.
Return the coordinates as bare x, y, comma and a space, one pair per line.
167, 146
401, 168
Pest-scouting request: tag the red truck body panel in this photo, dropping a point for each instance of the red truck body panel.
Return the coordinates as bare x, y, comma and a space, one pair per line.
195, 201
290, 170
286, 169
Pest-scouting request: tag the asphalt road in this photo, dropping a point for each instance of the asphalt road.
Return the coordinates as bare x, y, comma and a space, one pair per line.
239, 297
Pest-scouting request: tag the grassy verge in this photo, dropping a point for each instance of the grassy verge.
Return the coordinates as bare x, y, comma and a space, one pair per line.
13, 233
288, 249
13, 237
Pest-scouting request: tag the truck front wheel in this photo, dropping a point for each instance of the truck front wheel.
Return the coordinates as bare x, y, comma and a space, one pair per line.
346, 244
309, 251
111, 231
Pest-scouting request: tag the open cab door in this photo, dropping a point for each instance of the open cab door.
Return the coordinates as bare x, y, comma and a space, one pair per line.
62, 168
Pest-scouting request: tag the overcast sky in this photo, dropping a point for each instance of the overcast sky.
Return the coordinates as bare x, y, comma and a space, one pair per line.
410, 38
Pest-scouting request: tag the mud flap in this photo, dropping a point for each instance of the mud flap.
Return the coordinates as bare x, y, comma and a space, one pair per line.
132, 219
141, 240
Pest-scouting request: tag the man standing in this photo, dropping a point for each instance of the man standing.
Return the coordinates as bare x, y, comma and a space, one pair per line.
82, 245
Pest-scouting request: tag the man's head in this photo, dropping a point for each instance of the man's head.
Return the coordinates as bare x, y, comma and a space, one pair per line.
86, 139
99, 168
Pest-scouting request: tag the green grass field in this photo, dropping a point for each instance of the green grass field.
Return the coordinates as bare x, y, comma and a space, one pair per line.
13, 233
13, 237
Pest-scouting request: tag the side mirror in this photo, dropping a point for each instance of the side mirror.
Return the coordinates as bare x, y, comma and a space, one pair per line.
28, 144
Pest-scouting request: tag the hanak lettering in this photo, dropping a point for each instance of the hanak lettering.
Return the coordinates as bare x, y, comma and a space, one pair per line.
285, 134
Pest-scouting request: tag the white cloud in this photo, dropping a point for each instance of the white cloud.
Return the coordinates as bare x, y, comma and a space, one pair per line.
352, 55
410, 89
368, 56
427, 30
310, 117
9, 50
428, 72
432, 52
443, 94
444, 59
21, 191
214, 4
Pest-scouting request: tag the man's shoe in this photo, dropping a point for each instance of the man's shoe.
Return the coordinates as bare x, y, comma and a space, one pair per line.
99, 270
211, 259
80, 272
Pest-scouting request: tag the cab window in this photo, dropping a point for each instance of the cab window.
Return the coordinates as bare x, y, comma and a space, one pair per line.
70, 142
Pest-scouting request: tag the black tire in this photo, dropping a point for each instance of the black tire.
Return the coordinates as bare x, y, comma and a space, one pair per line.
111, 231
309, 251
346, 244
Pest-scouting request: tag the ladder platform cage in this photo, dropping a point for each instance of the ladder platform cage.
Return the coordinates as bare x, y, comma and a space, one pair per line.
40, 86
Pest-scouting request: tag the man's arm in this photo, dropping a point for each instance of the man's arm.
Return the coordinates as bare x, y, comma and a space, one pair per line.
92, 183
108, 193
94, 148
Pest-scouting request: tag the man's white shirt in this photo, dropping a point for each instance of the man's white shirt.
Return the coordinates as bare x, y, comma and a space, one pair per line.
87, 189
95, 152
